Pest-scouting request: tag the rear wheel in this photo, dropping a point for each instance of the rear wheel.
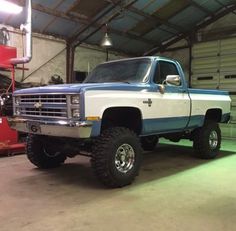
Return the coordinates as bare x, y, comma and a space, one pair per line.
116, 157
149, 142
42, 153
207, 140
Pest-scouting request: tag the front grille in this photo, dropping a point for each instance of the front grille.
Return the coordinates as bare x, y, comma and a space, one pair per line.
50, 106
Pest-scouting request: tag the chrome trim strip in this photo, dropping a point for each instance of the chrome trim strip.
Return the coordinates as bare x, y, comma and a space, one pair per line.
43, 112
31, 103
59, 128
38, 93
43, 117
68, 104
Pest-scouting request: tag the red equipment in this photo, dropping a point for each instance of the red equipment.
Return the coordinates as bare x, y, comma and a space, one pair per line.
6, 54
9, 143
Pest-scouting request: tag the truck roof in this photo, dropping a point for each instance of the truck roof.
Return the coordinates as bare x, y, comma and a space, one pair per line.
143, 57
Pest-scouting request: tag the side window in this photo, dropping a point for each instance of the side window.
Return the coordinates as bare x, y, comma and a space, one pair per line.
163, 69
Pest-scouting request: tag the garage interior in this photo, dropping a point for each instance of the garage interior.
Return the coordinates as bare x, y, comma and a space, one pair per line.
174, 190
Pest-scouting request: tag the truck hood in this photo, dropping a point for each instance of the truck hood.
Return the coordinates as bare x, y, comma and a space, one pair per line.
78, 88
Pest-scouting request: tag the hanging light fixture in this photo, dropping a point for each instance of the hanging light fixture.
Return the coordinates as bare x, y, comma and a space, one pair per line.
106, 41
9, 7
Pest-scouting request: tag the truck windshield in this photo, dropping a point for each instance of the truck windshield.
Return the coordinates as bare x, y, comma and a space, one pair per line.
131, 71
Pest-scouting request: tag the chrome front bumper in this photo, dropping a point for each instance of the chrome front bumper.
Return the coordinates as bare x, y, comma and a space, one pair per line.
60, 128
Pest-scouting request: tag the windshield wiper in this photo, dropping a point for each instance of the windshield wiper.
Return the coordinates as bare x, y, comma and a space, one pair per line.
124, 82
91, 82
108, 82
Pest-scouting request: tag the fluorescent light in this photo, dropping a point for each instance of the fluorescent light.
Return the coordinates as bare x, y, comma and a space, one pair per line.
8, 7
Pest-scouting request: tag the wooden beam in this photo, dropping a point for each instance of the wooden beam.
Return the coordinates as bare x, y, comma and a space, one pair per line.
225, 6
221, 13
175, 48
156, 19
203, 9
54, 19
70, 55
59, 14
107, 21
82, 20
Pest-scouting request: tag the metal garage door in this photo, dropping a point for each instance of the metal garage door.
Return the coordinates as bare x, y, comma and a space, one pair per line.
214, 67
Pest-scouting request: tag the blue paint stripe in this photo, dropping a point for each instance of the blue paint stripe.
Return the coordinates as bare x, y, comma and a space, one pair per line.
208, 92
196, 121
175, 124
152, 126
153, 88
165, 125
96, 128
136, 87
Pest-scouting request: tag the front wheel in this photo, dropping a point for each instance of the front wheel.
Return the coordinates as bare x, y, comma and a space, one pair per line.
116, 157
43, 153
207, 140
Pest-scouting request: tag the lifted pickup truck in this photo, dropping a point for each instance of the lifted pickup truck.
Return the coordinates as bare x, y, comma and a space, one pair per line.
121, 108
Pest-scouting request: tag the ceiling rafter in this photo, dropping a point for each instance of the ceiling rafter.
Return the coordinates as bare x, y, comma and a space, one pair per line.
59, 14
221, 13
117, 32
203, 9
94, 21
47, 10
223, 5
54, 19
107, 21
156, 19
131, 36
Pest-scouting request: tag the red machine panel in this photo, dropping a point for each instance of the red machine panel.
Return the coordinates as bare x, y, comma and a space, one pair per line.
7, 53
9, 143
9, 139
7, 134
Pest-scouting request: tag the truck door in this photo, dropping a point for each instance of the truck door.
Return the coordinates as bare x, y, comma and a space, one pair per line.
171, 109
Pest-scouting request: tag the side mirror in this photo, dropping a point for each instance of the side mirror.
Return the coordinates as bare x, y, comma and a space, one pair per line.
173, 80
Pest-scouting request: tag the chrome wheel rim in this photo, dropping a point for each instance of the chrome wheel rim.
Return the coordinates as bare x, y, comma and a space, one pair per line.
213, 139
124, 159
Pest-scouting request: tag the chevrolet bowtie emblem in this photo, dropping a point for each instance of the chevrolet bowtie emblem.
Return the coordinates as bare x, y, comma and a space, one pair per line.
38, 105
148, 102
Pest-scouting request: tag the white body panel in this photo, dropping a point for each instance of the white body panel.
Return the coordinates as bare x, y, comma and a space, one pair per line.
165, 105
202, 102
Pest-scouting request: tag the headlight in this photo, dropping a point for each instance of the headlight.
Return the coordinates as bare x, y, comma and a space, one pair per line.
17, 100
17, 111
75, 99
75, 113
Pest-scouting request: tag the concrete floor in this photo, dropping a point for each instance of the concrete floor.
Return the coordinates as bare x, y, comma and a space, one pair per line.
173, 192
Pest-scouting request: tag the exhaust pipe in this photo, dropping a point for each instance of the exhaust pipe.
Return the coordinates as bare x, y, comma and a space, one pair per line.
27, 28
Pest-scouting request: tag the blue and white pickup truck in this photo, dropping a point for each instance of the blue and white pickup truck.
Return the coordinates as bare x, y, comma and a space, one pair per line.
121, 108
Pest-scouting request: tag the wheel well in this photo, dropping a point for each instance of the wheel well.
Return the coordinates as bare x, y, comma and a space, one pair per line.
128, 117
214, 115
